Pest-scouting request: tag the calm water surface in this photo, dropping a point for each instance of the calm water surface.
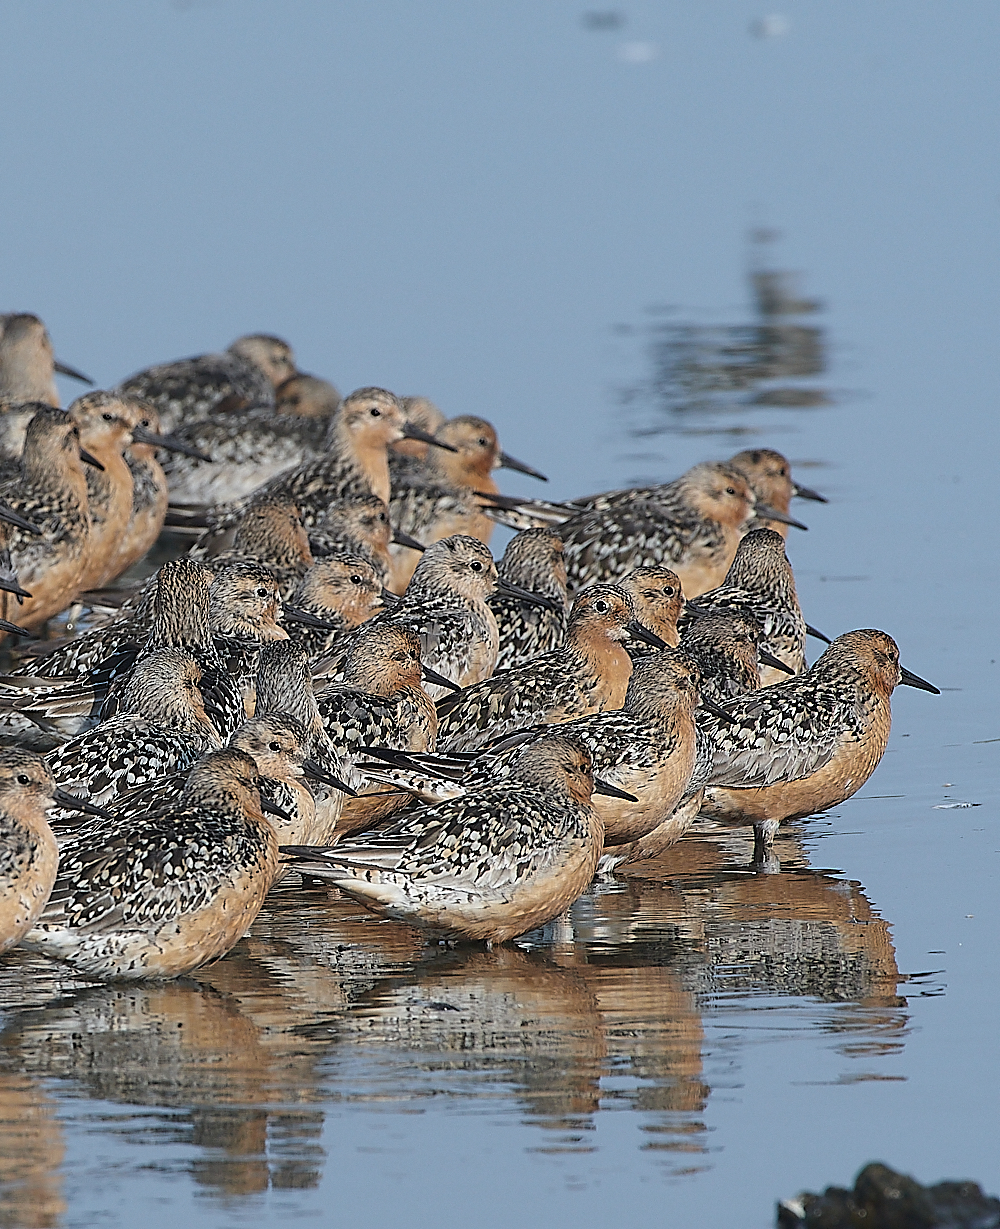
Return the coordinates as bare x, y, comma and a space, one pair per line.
702, 1037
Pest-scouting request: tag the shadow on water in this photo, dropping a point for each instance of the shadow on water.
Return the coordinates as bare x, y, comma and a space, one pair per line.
616, 1008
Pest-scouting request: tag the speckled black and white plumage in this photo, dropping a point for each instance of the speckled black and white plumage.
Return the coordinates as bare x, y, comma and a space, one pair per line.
446, 605
277, 745
192, 388
352, 463
690, 525
50, 491
761, 586
488, 866
247, 448
176, 890
534, 561
163, 728
589, 673
28, 853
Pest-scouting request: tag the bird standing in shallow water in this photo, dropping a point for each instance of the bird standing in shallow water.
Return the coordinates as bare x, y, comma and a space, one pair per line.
809, 743
28, 852
175, 891
490, 866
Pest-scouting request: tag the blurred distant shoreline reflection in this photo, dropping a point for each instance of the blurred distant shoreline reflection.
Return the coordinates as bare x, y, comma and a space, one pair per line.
720, 378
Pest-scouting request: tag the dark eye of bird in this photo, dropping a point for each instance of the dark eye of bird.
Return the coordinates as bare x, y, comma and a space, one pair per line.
668, 591
375, 413
23, 778
107, 417
274, 746
476, 566
355, 580
482, 442
601, 606
730, 490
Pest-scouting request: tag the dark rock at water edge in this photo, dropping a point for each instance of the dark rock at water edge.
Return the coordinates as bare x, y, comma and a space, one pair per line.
884, 1199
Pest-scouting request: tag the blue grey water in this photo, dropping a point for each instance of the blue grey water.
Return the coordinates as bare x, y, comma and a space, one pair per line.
524, 211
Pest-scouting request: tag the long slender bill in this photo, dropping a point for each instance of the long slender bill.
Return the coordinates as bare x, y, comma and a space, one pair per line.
914, 680
612, 791
636, 630
766, 513
506, 461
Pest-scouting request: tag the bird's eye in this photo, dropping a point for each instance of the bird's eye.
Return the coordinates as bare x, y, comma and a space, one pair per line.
108, 417
482, 441
476, 565
730, 490
668, 591
355, 580
23, 778
274, 746
602, 607
375, 412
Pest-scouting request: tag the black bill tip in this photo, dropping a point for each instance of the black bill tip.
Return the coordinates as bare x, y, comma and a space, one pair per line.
914, 680
141, 436
817, 634
65, 369
768, 659
766, 513
412, 432
89, 459
717, 711
271, 808
14, 518
804, 492
404, 539
638, 632
314, 772
612, 791
72, 803
432, 676
297, 615
525, 595
11, 586
506, 461
7, 626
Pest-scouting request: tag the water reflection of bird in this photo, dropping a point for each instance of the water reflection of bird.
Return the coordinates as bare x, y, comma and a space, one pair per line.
489, 866
809, 743
175, 892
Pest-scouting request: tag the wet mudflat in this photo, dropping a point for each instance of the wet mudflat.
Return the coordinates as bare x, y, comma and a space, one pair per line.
703, 1035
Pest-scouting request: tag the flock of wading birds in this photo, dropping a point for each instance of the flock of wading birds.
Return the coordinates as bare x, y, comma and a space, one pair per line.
338, 679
